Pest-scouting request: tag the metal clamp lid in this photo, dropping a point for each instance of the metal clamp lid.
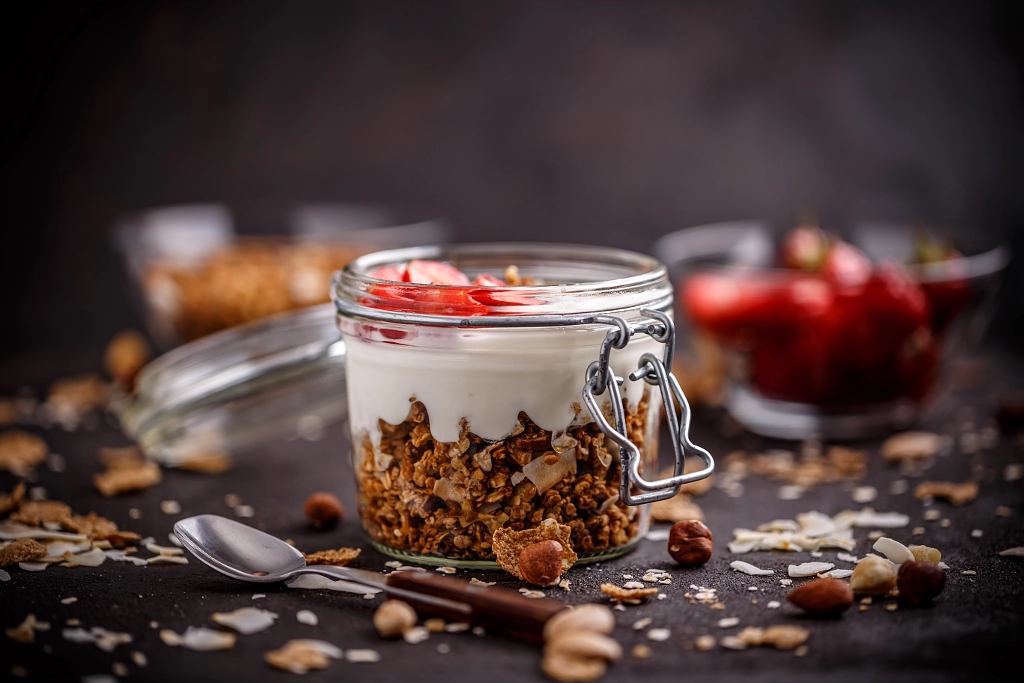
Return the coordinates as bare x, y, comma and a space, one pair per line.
655, 371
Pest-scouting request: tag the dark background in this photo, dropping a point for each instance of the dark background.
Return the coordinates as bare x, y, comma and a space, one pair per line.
596, 122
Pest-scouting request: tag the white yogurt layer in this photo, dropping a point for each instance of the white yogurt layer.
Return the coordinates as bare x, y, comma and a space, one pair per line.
483, 376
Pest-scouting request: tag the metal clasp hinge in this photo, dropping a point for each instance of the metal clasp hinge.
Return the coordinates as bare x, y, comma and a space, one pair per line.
656, 372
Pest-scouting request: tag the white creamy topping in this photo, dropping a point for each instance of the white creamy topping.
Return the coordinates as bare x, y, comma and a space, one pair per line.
485, 376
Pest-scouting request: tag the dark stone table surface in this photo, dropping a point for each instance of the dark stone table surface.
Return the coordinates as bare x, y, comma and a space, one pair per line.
973, 632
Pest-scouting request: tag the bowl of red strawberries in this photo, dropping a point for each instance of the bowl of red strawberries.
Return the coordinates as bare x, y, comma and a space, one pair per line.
821, 335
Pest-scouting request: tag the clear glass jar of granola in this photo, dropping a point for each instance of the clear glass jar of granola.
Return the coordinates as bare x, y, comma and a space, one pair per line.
490, 402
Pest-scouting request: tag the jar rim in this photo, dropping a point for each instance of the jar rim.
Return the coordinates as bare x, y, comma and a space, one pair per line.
589, 280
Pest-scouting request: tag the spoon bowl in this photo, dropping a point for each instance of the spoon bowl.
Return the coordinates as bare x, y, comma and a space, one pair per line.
237, 550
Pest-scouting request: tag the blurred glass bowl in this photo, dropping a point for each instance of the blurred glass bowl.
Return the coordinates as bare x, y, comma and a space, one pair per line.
192, 275
795, 354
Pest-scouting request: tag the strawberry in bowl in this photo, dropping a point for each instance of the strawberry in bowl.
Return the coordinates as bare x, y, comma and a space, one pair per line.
826, 336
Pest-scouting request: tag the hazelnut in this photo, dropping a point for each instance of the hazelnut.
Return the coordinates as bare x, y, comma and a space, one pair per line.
323, 510
541, 563
689, 542
920, 581
873, 575
822, 596
394, 618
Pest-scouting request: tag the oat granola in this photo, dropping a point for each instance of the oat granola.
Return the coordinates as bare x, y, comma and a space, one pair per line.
21, 451
338, 558
21, 550
618, 593
425, 496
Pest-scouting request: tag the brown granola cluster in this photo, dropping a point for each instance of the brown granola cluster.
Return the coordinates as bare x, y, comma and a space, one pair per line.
446, 499
243, 282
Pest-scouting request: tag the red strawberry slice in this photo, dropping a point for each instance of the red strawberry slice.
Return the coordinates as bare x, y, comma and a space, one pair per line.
433, 273
488, 280
390, 273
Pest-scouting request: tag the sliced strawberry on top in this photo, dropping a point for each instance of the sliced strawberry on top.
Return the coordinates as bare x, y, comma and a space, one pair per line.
433, 273
390, 273
488, 280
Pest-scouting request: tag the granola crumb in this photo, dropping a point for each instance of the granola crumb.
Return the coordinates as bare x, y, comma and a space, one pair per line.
20, 451
302, 656
619, 594
955, 493
705, 643
641, 651
21, 550
213, 462
10, 501
141, 475
338, 558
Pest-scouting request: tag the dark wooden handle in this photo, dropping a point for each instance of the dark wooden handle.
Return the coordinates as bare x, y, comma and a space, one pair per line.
496, 609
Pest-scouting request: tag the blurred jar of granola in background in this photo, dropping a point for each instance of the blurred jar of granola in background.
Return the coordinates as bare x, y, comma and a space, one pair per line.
193, 275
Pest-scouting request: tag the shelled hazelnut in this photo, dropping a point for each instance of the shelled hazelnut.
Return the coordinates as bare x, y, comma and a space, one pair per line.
541, 563
920, 582
689, 542
323, 510
822, 596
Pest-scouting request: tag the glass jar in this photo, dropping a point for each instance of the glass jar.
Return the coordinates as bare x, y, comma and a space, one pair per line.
474, 408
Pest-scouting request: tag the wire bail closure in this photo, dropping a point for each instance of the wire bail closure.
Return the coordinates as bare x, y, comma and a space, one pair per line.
656, 372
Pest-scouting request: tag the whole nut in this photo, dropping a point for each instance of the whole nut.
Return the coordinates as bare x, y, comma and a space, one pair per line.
920, 581
394, 618
689, 542
923, 553
323, 510
569, 669
585, 644
588, 617
873, 575
541, 563
822, 596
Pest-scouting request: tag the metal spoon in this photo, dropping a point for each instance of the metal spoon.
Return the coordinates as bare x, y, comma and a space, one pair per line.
248, 554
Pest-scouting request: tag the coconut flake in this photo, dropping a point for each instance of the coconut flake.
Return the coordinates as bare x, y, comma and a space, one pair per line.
362, 656
657, 535
78, 635
799, 571
246, 620
894, 550
4, 576
868, 518
814, 524
164, 550
544, 476
750, 569
33, 566
318, 582
93, 558
837, 574
1013, 552
10, 531
166, 559
174, 540
200, 639
304, 616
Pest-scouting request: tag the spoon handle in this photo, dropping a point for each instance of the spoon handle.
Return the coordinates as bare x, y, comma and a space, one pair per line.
496, 609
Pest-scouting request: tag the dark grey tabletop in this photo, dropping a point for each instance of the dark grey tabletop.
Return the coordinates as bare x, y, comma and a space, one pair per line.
971, 632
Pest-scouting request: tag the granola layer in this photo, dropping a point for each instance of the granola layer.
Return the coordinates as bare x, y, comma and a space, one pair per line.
446, 499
